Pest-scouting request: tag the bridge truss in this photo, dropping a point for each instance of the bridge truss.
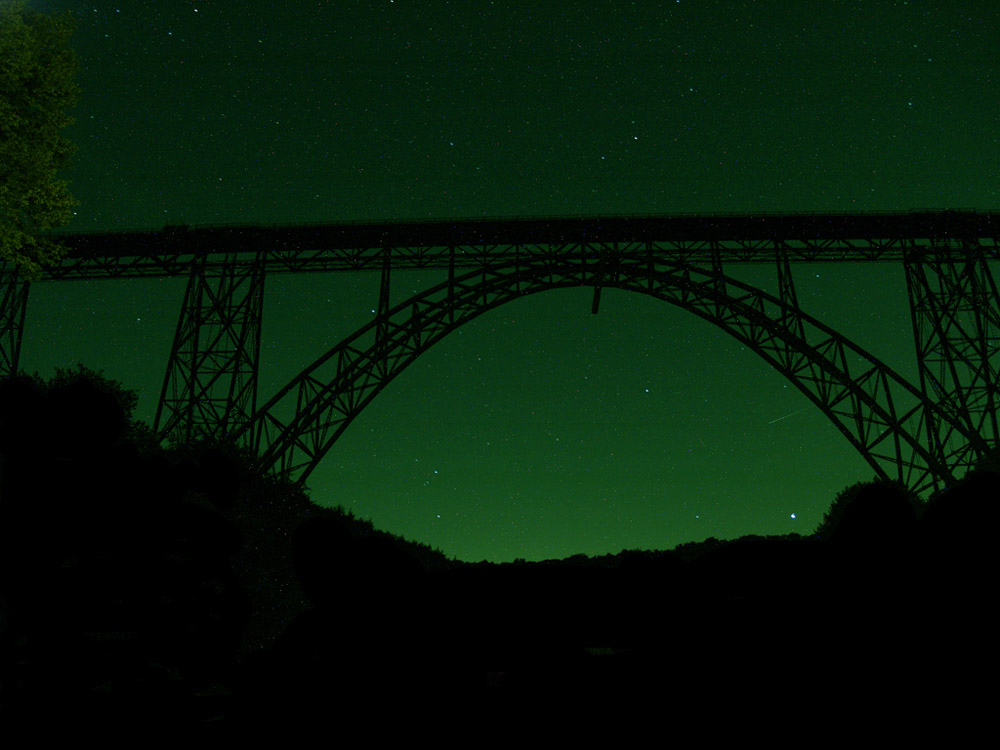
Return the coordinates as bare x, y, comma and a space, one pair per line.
923, 434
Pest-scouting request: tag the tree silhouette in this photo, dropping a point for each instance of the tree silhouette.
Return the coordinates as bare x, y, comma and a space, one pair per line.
131, 577
37, 86
116, 584
860, 490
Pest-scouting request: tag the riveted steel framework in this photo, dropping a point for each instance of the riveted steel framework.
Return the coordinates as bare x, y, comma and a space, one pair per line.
210, 389
13, 305
877, 410
953, 304
923, 434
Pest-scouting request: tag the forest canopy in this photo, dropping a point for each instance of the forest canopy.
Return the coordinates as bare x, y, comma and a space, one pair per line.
37, 86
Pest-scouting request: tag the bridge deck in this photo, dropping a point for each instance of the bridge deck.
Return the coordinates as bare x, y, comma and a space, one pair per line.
732, 238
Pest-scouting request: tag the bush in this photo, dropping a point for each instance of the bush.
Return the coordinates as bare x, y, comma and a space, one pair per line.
835, 513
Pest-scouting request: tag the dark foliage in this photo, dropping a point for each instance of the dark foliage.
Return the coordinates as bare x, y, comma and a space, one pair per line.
879, 497
185, 588
119, 597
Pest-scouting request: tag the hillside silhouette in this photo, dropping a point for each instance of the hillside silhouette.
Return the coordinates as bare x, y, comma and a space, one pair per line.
180, 587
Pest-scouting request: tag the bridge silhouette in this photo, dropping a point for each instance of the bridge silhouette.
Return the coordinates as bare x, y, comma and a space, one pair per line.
923, 434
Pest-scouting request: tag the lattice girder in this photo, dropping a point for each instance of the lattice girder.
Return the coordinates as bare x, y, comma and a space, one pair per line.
955, 313
868, 408
210, 388
13, 306
737, 238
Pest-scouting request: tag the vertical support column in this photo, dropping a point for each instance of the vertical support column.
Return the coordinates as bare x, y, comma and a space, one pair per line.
518, 270
210, 388
790, 312
451, 285
599, 273
596, 304
955, 311
382, 319
916, 293
13, 306
606, 271
650, 265
718, 280
786, 290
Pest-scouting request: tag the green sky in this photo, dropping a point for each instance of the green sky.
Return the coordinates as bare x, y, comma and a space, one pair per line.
538, 430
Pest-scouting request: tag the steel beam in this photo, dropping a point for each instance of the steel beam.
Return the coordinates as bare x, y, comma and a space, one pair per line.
741, 238
955, 313
381, 344
877, 411
210, 387
13, 306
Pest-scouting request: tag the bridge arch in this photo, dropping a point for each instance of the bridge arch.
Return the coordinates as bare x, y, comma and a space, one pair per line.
901, 435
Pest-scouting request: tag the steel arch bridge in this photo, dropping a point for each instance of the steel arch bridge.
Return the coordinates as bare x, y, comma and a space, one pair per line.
921, 434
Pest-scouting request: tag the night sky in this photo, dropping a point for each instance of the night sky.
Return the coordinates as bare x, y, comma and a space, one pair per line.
537, 430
